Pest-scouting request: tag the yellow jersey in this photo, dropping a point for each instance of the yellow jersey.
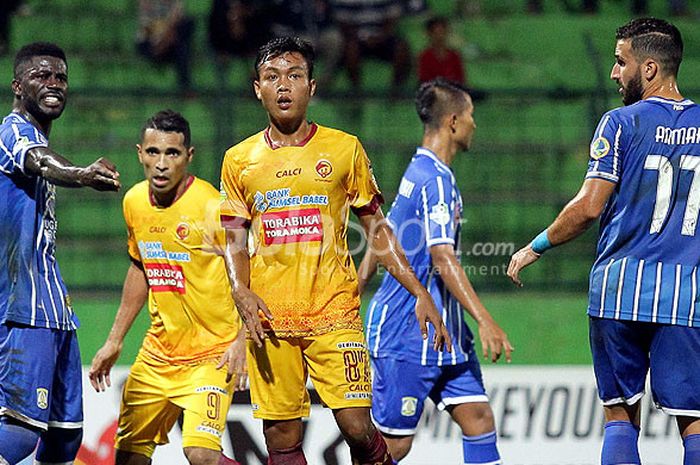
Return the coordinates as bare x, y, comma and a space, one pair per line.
193, 316
296, 201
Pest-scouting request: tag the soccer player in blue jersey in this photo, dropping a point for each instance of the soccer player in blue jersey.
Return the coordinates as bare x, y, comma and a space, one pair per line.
40, 370
426, 217
643, 182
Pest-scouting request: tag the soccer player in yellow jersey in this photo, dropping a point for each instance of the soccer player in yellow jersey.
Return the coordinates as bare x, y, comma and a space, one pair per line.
292, 186
176, 245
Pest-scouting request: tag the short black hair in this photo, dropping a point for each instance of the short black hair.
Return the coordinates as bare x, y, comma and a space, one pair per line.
37, 49
654, 38
281, 45
437, 98
168, 121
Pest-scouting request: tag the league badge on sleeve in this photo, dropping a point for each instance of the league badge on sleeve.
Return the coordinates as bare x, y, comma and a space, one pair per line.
440, 214
599, 148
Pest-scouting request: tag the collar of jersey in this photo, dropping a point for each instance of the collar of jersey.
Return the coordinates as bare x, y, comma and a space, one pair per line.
432, 156
273, 146
21, 116
673, 102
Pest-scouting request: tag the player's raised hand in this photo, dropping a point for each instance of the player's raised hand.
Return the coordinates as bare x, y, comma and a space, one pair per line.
426, 312
102, 364
101, 175
250, 306
494, 340
520, 259
235, 361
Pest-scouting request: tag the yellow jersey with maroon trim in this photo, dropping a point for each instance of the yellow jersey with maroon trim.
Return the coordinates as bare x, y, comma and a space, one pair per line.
193, 316
297, 201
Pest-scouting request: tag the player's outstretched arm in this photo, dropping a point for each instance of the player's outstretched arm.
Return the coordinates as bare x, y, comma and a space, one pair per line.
134, 295
101, 175
367, 268
235, 361
389, 253
493, 339
576, 217
238, 268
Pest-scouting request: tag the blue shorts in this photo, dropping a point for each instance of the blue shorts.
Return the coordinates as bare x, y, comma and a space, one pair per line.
624, 351
41, 376
400, 388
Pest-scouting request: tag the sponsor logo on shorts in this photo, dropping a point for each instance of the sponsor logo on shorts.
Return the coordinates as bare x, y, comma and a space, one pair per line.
408, 406
211, 389
358, 395
350, 345
42, 398
163, 277
289, 226
209, 430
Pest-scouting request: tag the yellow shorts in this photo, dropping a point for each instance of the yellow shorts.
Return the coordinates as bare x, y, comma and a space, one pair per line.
156, 393
337, 362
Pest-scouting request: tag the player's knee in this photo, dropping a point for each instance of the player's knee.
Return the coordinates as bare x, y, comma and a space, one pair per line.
399, 446
17, 440
475, 419
357, 432
59, 445
202, 456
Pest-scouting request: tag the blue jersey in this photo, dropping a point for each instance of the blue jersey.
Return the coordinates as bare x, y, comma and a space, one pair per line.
426, 212
646, 268
31, 289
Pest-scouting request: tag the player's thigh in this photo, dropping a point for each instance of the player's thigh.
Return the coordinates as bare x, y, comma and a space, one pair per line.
67, 397
146, 413
205, 400
620, 351
28, 358
399, 390
675, 377
277, 375
459, 384
338, 364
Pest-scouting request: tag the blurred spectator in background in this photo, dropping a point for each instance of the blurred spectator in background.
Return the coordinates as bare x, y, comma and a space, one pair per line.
165, 36
438, 59
7, 9
312, 21
640, 7
369, 30
236, 29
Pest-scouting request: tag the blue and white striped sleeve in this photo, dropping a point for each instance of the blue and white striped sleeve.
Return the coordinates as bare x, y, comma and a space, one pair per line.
16, 139
605, 151
438, 210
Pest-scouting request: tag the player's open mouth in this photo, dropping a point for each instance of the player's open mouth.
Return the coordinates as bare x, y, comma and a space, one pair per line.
52, 100
159, 181
284, 102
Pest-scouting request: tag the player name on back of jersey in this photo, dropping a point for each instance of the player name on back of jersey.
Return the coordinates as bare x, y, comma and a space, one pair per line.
677, 136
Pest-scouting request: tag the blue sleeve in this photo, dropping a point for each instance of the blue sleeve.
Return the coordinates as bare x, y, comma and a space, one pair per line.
438, 210
606, 150
16, 139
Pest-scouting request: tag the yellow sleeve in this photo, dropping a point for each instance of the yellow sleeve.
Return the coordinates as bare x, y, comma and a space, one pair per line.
233, 211
133, 247
362, 187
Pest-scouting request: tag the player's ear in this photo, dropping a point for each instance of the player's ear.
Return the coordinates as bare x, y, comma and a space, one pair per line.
312, 87
190, 153
256, 88
16, 88
650, 69
138, 152
453, 123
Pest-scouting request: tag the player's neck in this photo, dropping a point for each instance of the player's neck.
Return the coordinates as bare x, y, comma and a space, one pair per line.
44, 126
667, 89
442, 147
283, 134
166, 199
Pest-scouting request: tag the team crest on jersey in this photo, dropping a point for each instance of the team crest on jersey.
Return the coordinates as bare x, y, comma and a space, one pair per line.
324, 168
408, 406
599, 148
42, 398
183, 231
440, 214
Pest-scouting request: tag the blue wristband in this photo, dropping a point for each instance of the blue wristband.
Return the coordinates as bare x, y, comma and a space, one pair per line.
541, 243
